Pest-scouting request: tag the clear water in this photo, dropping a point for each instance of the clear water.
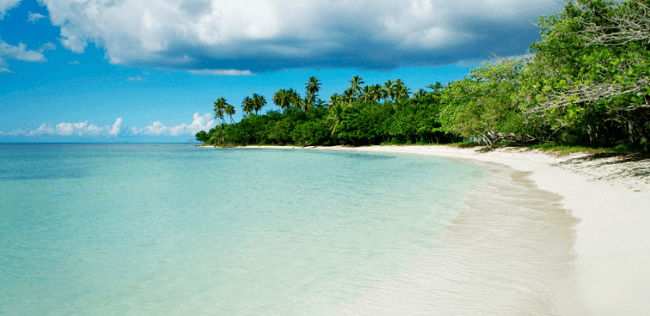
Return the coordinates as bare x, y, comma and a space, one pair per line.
142, 229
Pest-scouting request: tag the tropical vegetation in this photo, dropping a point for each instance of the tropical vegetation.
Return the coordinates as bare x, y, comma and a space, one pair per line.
586, 82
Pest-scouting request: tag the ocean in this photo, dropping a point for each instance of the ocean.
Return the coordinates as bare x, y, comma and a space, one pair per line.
171, 229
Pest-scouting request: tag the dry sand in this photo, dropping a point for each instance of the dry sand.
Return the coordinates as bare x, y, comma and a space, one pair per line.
609, 194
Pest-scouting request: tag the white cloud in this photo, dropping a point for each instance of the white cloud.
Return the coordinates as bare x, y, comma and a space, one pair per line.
34, 17
155, 129
134, 78
73, 39
21, 52
115, 129
199, 123
74, 62
221, 72
67, 129
6, 5
80, 125
16, 132
231, 37
43, 129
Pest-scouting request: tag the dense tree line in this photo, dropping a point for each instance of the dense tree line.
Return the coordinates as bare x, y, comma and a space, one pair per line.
585, 83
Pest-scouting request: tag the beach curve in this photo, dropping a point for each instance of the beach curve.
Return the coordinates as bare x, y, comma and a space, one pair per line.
609, 275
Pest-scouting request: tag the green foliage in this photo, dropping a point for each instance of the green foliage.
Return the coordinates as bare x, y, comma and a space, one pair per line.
586, 83
485, 103
202, 136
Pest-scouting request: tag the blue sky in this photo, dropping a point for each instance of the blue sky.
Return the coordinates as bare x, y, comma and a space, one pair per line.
148, 71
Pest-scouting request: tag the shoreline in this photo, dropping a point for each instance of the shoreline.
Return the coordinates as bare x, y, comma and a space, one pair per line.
609, 275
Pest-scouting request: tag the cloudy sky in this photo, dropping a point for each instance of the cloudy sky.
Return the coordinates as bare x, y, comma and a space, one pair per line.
149, 70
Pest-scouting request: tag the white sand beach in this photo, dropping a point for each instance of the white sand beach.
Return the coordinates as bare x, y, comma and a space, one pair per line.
610, 196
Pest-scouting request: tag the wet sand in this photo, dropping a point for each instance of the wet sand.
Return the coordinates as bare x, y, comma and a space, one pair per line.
501, 256
595, 236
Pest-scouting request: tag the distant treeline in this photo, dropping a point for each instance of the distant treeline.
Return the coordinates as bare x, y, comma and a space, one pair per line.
585, 83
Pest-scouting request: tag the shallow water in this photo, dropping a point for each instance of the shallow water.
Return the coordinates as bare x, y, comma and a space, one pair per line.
134, 229
501, 256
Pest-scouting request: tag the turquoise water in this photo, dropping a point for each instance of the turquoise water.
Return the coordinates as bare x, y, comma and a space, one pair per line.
169, 229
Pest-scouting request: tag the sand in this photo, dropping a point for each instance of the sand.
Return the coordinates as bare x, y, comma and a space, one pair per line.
609, 196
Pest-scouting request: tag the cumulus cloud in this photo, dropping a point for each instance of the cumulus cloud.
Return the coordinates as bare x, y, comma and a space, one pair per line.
20, 52
5, 5
67, 129
134, 78
43, 129
199, 123
248, 36
155, 129
115, 129
34, 17
74, 62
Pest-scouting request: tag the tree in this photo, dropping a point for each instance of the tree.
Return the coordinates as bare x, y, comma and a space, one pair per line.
334, 100
230, 110
482, 104
248, 106
419, 93
219, 107
356, 84
402, 92
389, 90
306, 104
294, 98
348, 95
258, 102
202, 136
591, 70
367, 95
312, 86
281, 98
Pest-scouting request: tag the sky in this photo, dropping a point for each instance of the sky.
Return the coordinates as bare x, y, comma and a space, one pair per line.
150, 70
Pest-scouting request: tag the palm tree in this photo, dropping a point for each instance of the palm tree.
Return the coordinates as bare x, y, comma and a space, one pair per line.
334, 99
335, 116
306, 104
294, 98
230, 110
248, 106
312, 86
375, 92
258, 102
348, 95
399, 83
355, 84
419, 93
436, 87
219, 107
367, 94
402, 92
389, 90
281, 99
